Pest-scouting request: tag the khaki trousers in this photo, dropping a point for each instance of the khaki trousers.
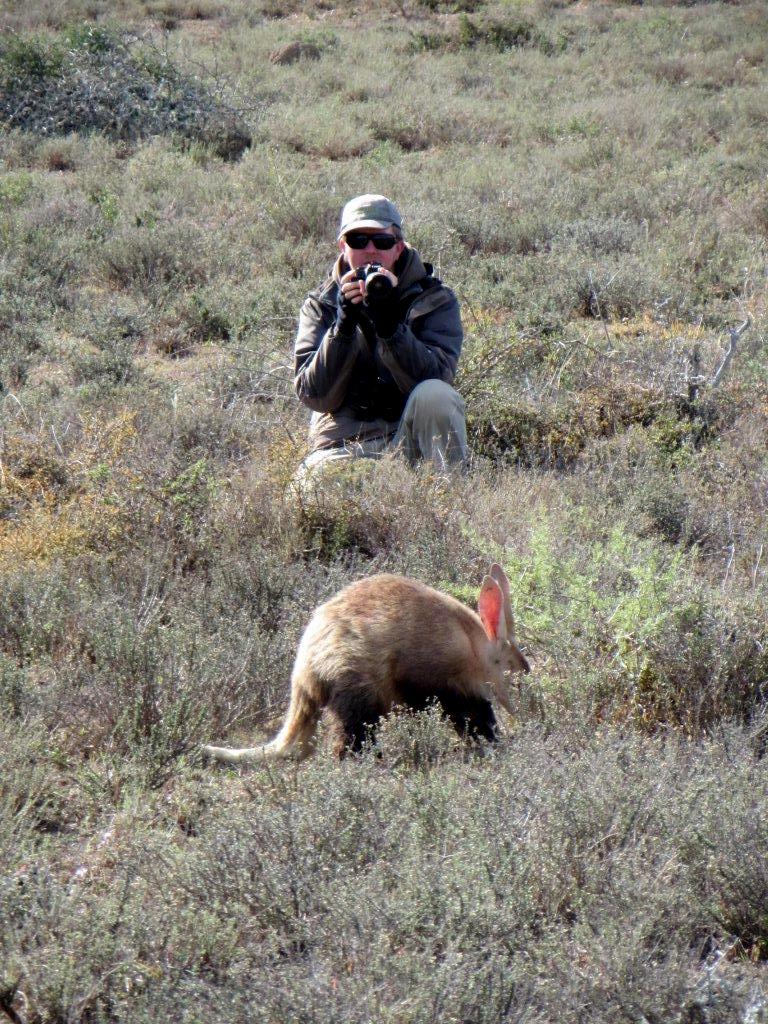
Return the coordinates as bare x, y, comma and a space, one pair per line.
432, 429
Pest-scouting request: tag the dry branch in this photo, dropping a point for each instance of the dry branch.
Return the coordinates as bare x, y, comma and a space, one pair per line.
696, 379
734, 334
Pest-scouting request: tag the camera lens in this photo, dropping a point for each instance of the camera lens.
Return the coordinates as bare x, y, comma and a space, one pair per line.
376, 284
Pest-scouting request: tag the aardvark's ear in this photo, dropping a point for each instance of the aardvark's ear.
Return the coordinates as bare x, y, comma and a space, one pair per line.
501, 578
490, 606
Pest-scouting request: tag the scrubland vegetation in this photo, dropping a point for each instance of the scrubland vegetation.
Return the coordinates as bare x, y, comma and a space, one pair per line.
590, 178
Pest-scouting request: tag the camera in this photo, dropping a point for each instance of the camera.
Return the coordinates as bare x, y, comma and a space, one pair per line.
376, 284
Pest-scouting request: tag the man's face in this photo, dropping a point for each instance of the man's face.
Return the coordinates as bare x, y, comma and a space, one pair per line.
370, 254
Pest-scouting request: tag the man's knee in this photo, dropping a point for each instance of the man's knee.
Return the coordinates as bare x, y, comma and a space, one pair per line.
433, 425
433, 400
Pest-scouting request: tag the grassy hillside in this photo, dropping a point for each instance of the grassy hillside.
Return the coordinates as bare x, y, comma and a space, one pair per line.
590, 179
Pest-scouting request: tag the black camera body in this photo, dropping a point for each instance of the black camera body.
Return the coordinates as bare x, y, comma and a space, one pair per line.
376, 284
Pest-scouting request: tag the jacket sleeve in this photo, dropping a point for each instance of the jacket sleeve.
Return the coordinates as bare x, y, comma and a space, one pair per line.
427, 348
322, 360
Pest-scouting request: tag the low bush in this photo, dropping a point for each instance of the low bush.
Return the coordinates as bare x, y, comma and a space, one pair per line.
501, 34
21, 343
376, 512
97, 81
475, 28
555, 432
151, 258
653, 645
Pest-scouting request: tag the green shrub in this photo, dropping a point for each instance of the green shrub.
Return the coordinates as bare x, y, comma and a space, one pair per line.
501, 35
14, 692
20, 346
554, 434
31, 58
205, 322
103, 83
415, 739
32, 805
374, 509
15, 188
113, 365
653, 646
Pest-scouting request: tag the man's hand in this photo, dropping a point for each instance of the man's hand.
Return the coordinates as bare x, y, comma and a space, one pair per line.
382, 310
348, 304
347, 318
351, 289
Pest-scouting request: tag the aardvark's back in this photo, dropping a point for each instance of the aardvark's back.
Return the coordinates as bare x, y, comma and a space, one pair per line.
388, 630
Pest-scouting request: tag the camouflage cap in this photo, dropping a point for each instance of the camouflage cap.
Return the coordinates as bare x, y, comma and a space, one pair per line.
369, 211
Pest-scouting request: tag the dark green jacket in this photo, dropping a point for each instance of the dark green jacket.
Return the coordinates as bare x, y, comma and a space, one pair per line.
357, 388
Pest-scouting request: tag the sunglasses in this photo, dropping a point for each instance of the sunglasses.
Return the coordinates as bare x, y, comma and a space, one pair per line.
358, 240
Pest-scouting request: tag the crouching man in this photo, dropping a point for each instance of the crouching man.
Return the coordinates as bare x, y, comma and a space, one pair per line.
377, 348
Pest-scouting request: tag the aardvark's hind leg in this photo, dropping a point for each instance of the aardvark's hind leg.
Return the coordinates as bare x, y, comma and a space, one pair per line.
353, 715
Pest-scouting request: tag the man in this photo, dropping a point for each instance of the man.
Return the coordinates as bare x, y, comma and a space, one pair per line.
375, 360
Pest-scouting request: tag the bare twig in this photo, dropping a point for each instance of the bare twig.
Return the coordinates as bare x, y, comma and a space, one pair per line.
56, 439
13, 398
696, 379
734, 334
757, 565
731, 549
595, 299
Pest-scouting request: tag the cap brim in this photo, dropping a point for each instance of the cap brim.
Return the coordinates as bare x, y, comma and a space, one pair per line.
357, 224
